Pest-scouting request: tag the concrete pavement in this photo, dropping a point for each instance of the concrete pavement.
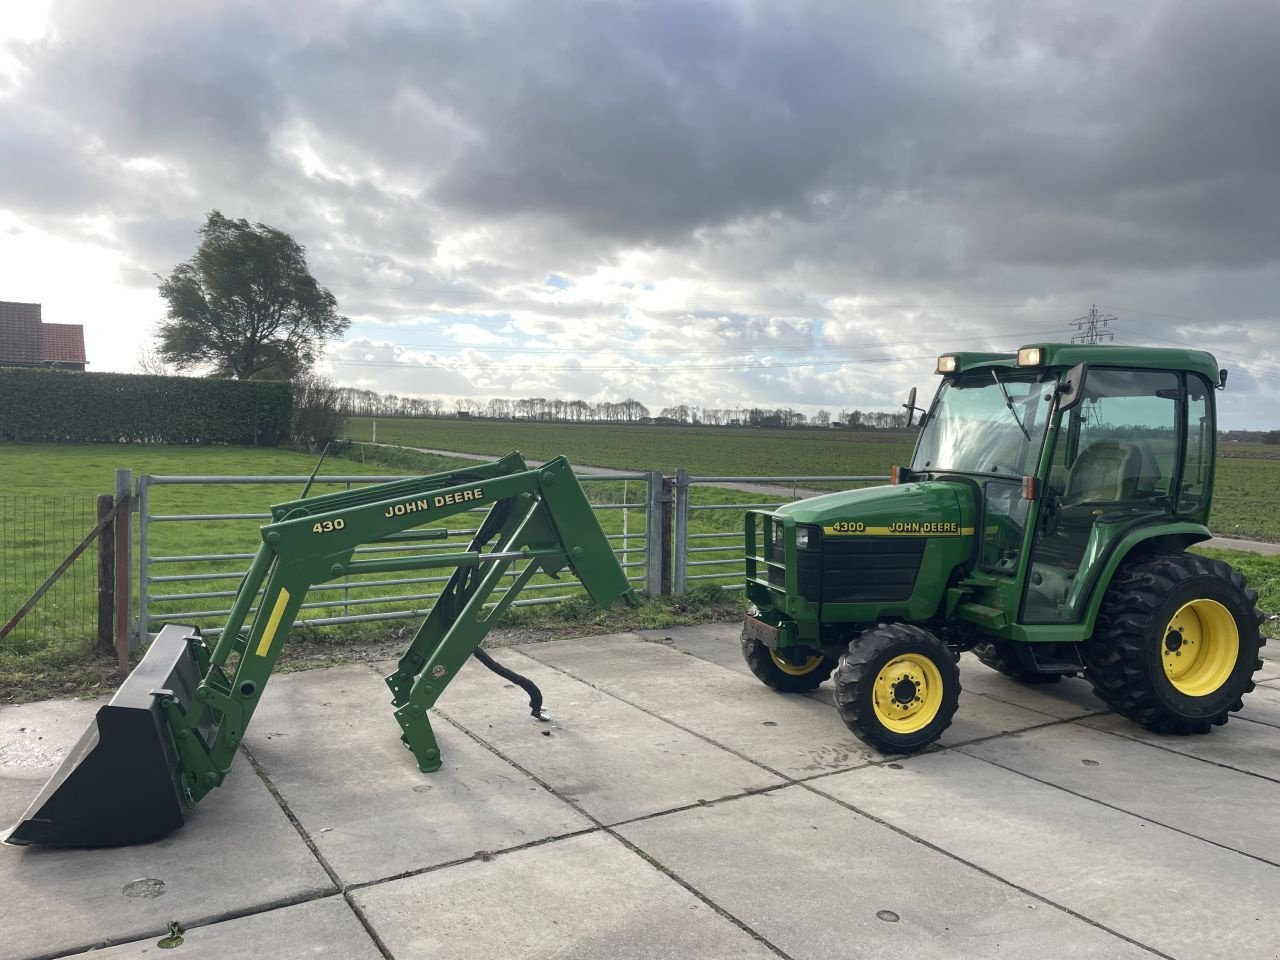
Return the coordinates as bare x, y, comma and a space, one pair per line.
675, 808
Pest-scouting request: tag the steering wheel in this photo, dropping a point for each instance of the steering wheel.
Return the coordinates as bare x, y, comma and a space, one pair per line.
1012, 471
1050, 514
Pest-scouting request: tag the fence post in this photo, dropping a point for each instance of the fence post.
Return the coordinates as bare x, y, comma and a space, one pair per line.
668, 501
142, 637
652, 538
346, 578
123, 566
106, 575
681, 547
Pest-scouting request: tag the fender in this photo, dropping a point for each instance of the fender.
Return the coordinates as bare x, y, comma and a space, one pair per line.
1174, 536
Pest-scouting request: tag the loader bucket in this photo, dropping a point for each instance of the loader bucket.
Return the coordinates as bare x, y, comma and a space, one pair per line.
121, 783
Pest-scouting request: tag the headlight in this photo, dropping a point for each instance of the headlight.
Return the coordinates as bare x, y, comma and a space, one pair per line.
1030, 357
805, 537
946, 365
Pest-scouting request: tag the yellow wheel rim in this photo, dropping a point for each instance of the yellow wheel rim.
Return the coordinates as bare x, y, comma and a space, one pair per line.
907, 693
791, 669
1200, 647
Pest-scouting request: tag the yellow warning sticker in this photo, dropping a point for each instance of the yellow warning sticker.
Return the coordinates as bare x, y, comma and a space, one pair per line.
273, 623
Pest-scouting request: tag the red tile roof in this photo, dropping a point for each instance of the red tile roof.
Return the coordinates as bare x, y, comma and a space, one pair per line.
25, 341
20, 332
62, 343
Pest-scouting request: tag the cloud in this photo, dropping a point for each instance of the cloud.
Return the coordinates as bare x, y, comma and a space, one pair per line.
675, 201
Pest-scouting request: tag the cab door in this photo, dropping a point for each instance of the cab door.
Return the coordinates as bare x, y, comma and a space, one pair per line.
1115, 464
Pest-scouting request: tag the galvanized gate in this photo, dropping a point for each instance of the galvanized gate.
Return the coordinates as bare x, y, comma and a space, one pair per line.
717, 553
669, 534
195, 586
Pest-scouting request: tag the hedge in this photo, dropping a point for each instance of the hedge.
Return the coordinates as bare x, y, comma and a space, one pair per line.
61, 405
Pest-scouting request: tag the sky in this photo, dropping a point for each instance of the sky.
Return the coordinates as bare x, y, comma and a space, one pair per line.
721, 203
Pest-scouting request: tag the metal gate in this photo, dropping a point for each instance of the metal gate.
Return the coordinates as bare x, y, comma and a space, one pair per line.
714, 549
191, 575
195, 586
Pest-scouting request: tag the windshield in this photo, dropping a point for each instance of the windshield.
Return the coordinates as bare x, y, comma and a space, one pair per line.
971, 429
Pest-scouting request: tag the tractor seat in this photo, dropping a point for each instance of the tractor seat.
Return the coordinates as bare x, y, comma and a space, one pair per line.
1106, 471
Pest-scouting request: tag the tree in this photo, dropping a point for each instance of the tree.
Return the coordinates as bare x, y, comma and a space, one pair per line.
246, 304
149, 362
318, 419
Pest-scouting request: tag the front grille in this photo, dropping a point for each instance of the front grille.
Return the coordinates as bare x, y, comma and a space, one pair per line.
808, 571
855, 569
870, 568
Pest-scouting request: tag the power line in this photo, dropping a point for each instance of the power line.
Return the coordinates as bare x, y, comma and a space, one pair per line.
1270, 373
631, 345
707, 306
638, 368
753, 364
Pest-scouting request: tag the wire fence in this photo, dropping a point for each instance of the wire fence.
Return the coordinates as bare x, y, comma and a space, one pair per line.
670, 534
36, 535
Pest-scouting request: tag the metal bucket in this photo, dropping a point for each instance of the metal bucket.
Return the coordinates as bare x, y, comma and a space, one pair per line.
122, 782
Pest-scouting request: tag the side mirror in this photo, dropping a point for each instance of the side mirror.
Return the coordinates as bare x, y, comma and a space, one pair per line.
1071, 389
1222, 379
910, 406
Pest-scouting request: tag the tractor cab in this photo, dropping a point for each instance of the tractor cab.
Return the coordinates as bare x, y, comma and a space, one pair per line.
1069, 449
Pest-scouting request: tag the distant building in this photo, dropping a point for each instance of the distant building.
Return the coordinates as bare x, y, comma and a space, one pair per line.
25, 341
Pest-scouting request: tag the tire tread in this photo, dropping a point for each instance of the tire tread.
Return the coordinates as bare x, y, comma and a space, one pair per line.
1114, 655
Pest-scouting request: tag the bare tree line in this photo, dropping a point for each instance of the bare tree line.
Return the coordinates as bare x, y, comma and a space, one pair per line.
369, 403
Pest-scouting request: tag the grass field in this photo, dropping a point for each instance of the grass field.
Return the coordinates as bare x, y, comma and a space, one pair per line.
1246, 499
707, 451
74, 473
60, 481
55, 658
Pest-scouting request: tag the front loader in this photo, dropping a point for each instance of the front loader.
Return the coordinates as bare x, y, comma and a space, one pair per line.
1043, 525
169, 734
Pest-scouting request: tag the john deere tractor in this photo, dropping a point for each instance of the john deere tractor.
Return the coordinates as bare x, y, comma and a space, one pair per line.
1043, 525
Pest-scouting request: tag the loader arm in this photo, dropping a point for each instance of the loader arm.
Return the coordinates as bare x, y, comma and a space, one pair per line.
539, 517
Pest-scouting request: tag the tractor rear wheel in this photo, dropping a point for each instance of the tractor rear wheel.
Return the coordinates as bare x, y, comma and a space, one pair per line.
1000, 656
774, 670
897, 688
1176, 643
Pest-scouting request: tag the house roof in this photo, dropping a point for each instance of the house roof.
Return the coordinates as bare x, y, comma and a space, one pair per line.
62, 343
20, 340
24, 339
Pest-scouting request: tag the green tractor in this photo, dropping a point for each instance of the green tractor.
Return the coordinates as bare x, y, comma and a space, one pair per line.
1043, 525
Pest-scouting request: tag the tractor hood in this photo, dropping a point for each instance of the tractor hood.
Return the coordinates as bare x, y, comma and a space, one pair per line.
932, 508
862, 556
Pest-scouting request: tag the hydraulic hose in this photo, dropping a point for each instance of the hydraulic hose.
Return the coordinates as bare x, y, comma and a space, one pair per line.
529, 687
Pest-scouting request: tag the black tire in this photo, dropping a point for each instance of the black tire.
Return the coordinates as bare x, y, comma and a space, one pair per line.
763, 662
1000, 656
865, 694
1143, 621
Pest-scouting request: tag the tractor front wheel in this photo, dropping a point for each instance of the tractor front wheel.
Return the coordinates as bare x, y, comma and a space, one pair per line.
897, 688
1176, 643
775, 670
